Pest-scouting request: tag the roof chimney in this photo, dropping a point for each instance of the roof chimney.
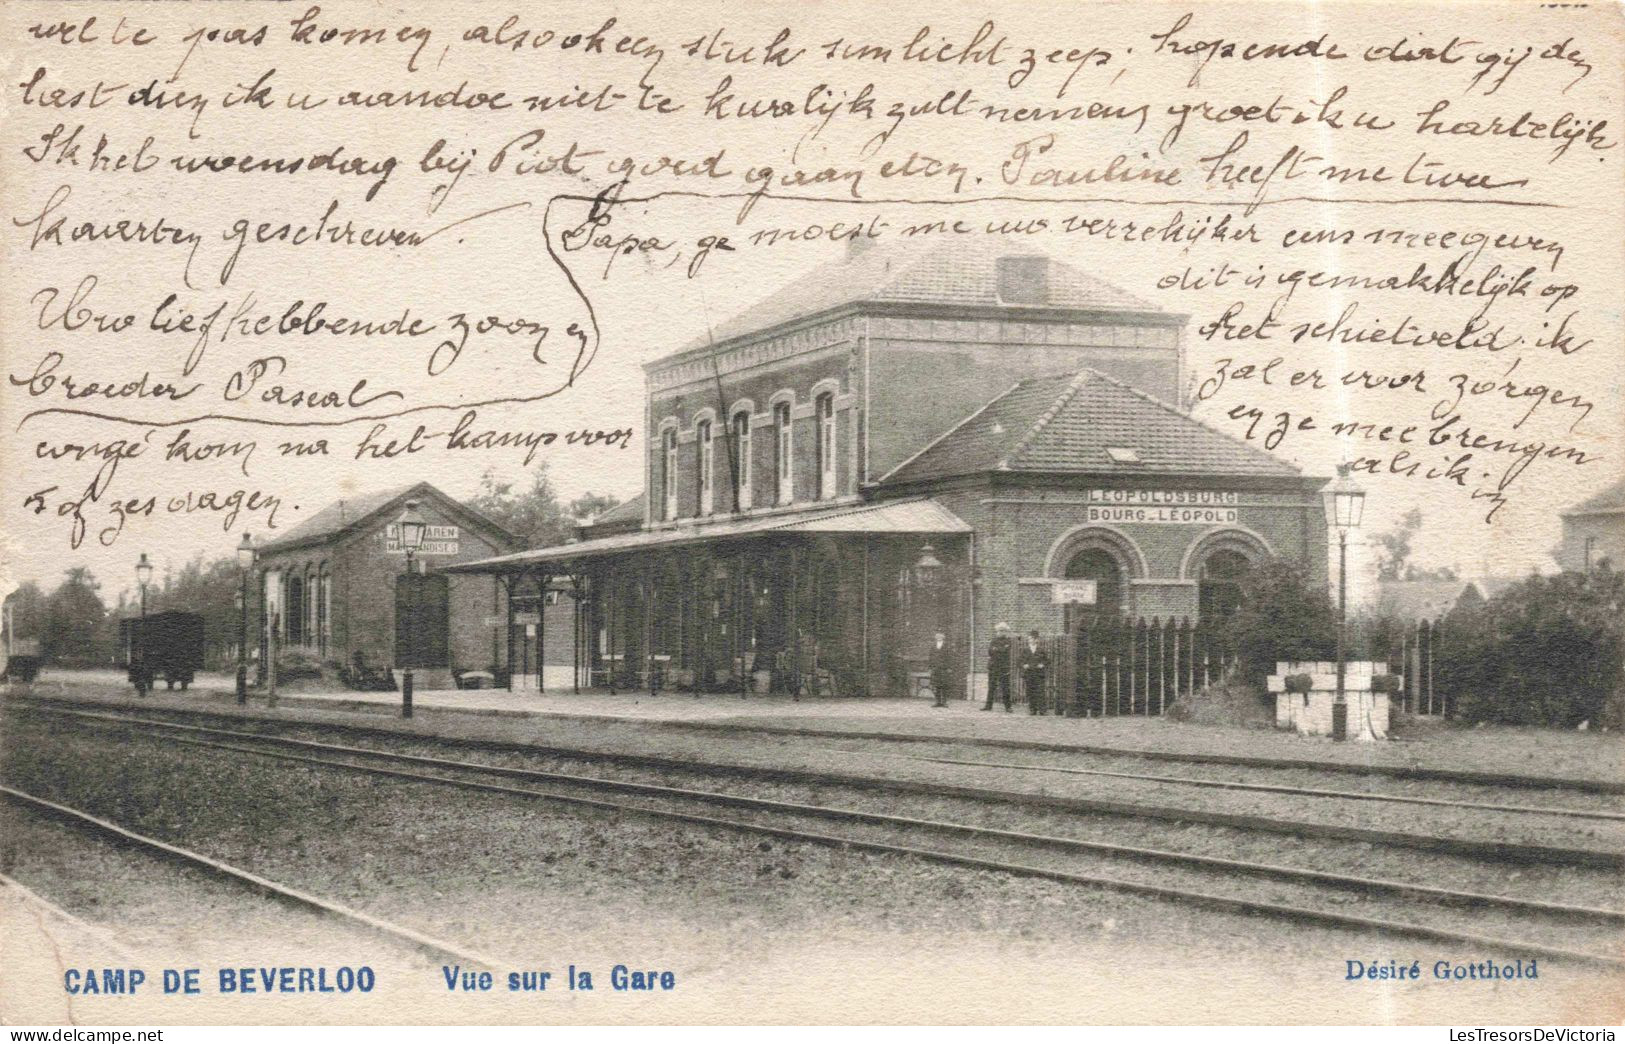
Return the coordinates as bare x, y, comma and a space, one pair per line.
1023, 279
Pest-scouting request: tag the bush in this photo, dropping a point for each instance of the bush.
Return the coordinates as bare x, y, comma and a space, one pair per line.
298, 664
1545, 651
1230, 702
1282, 617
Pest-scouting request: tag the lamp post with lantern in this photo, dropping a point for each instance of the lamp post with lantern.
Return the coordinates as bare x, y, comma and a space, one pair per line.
924, 599
411, 527
1348, 505
245, 563
143, 577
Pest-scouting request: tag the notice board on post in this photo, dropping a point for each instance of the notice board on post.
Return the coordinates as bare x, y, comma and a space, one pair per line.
422, 631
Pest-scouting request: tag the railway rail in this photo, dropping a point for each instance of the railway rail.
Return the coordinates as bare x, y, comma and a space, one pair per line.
400, 934
774, 814
1514, 781
10, 886
1496, 850
1408, 772
1271, 788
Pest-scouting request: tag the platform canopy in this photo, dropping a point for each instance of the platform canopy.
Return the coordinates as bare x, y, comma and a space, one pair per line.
917, 516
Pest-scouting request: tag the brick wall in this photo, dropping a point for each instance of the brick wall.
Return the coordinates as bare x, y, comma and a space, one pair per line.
362, 608
825, 368
1018, 529
926, 375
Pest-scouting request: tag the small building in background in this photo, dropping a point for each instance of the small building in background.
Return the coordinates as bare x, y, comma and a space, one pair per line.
328, 585
1594, 532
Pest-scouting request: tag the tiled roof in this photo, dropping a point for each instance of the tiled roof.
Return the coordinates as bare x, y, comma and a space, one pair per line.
349, 512
1419, 599
339, 515
626, 511
961, 274
1068, 423
915, 515
1608, 501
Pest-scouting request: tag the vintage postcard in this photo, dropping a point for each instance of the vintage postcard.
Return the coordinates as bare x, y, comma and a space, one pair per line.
997, 513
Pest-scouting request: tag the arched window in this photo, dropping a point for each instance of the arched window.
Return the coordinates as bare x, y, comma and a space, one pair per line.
741, 458
668, 472
783, 466
824, 412
313, 605
326, 615
1219, 587
293, 611
1099, 565
707, 457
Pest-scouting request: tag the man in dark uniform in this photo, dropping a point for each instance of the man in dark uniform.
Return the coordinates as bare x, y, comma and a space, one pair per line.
1034, 673
942, 669
1000, 652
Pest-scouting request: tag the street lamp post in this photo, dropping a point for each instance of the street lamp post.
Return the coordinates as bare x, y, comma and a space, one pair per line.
143, 577
412, 527
245, 563
1348, 504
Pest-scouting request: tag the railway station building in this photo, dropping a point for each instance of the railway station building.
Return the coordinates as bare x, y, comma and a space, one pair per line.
904, 442
329, 584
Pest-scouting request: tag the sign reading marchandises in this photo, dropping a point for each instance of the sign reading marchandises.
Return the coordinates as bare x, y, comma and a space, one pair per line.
437, 540
1162, 506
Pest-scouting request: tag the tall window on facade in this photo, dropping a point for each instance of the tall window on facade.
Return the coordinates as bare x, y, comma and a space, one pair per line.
1591, 553
824, 411
293, 612
782, 459
1219, 590
707, 457
741, 458
668, 472
313, 606
327, 611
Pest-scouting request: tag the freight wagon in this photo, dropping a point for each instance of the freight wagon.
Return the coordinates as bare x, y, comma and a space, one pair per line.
161, 645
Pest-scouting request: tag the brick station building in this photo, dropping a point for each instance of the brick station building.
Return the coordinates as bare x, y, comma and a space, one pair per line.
328, 584
904, 441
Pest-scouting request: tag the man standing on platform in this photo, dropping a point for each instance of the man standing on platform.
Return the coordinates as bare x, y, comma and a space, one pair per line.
1035, 674
1000, 653
942, 669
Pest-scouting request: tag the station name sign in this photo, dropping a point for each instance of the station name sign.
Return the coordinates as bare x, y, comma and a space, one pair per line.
1072, 592
1176, 507
437, 540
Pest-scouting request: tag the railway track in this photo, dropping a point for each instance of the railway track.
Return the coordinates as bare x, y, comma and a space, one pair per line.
1499, 851
1503, 780
1271, 788
246, 879
1407, 772
46, 909
1302, 895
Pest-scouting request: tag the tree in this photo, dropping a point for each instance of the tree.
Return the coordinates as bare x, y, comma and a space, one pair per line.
1394, 553
1282, 616
534, 514
209, 589
75, 631
591, 505
1545, 651
26, 607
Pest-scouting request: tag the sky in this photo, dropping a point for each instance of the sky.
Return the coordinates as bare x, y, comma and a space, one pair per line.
497, 260
637, 329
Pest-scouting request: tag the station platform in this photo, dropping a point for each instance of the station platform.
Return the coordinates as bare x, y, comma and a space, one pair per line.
636, 719
593, 703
